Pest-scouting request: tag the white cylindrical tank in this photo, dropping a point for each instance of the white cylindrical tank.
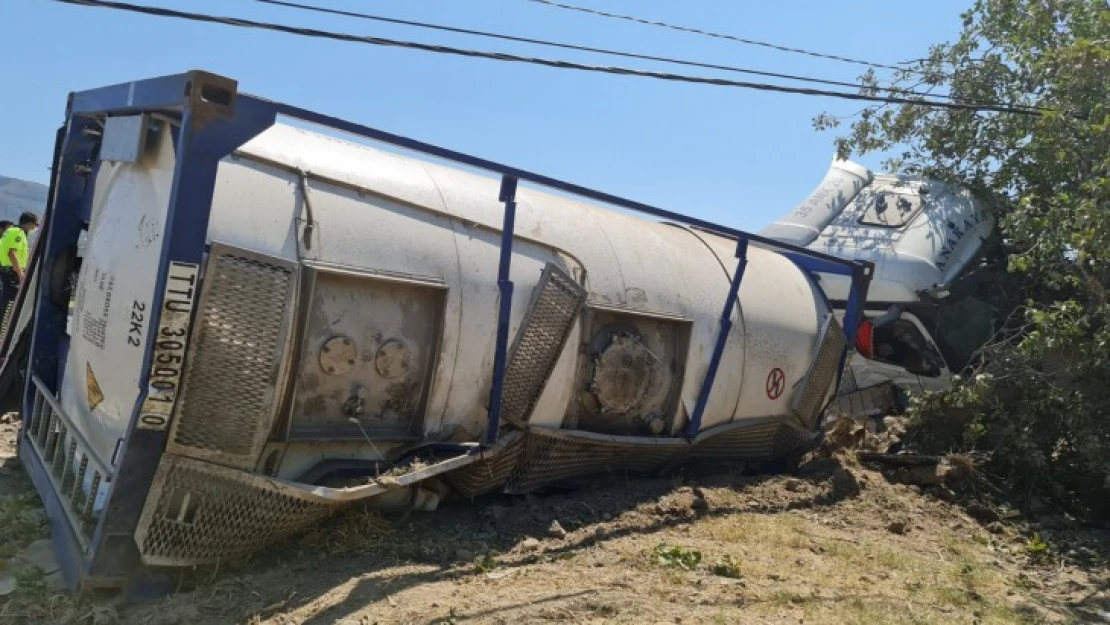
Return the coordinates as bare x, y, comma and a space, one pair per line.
387, 213
350, 304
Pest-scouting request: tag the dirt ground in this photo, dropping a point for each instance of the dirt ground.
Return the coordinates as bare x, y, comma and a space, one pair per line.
839, 542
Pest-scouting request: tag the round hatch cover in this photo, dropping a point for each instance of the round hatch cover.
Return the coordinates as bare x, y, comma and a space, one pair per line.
338, 355
622, 374
393, 359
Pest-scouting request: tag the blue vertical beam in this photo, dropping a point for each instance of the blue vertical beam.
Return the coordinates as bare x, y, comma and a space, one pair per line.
722, 338
505, 286
853, 315
74, 149
72, 182
853, 312
860, 273
34, 265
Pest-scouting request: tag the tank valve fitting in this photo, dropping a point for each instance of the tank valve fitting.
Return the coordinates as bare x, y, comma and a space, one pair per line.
356, 404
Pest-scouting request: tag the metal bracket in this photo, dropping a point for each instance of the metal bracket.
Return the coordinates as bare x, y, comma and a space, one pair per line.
125, 138
210, 96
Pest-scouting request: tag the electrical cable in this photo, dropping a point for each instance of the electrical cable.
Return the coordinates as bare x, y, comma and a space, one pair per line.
698, 31
605, 51
499, 56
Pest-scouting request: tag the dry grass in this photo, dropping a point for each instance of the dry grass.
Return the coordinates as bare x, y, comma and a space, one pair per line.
774, 551
358, 531
794, 565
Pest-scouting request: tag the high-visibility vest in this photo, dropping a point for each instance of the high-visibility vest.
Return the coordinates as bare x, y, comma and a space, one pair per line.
13, 239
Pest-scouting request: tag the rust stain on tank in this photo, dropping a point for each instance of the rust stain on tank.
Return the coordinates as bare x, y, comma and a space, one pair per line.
401, 397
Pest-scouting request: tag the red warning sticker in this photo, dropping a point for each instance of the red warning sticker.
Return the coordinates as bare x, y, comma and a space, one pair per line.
776, 383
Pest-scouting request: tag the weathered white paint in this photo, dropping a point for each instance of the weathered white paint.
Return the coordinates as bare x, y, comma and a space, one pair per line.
378, 211
115, 288
423, 218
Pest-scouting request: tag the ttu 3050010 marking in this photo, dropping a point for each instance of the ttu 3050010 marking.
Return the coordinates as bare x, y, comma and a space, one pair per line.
169, 350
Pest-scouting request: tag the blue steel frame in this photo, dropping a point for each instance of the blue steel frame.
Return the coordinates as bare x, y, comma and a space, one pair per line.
505, 303
213, 119
694, 426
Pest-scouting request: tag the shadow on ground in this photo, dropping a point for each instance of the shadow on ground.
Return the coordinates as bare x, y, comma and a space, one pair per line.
466, 538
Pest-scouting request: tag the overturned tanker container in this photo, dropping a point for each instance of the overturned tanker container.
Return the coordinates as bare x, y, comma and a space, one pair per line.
264, 325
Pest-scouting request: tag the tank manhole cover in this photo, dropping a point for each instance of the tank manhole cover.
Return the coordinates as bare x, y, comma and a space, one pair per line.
623, 374
338, 355
393, 359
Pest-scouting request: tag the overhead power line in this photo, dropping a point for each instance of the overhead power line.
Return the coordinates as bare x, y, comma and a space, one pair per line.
499, 56
604, 51
706, 33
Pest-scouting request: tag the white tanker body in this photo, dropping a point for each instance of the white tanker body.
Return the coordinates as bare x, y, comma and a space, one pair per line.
405, 255
343, 326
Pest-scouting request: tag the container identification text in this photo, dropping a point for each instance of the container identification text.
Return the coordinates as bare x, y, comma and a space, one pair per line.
169, 347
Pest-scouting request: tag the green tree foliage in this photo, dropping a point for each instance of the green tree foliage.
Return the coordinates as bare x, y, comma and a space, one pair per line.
1040, 398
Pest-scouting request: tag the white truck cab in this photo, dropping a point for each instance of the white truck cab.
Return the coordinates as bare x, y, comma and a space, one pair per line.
923, 236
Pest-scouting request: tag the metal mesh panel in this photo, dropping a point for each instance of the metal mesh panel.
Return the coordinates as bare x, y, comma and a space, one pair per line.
870, 401
492, 471
199, 513
228, 394
556, 302
791, 438
810, 400
737, 441
552, 455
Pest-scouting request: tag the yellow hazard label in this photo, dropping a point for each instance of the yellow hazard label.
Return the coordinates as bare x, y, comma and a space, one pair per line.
92, 388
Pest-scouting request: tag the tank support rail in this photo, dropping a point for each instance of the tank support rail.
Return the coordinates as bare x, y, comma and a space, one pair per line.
722, 337
505, 306
210, 119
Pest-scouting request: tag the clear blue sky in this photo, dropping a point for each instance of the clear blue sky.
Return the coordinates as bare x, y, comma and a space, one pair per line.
735, 156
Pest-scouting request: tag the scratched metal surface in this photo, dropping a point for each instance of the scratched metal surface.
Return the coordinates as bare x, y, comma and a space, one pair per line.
384, 335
